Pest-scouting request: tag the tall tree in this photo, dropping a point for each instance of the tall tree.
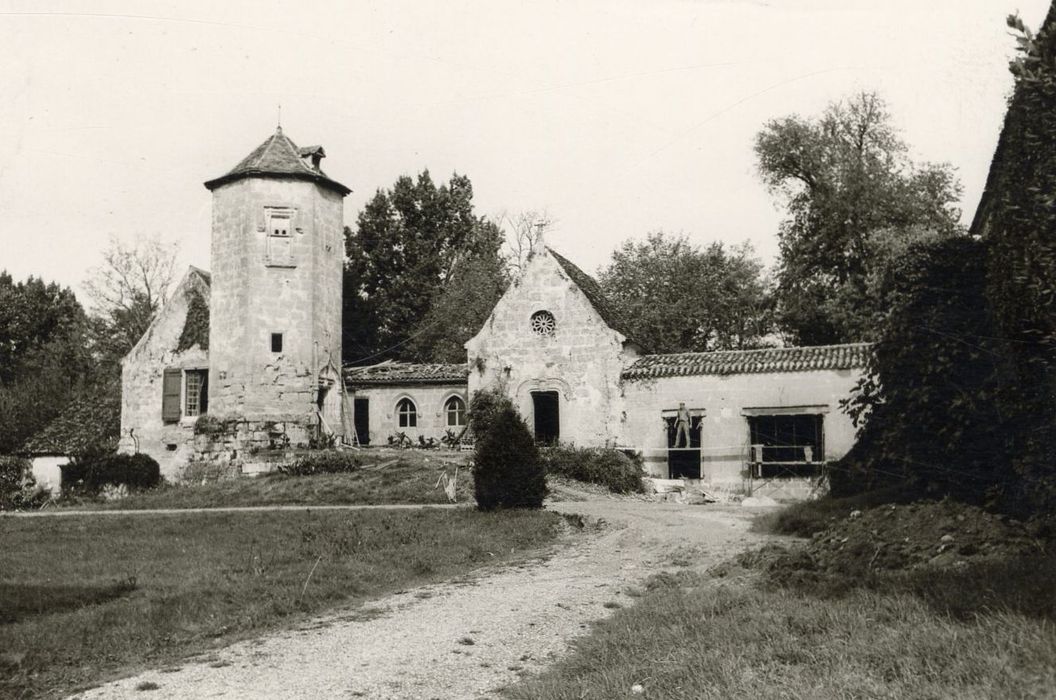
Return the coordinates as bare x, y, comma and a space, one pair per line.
847, 182
43, 355
678, 298
523, 231
398, 259
126, 292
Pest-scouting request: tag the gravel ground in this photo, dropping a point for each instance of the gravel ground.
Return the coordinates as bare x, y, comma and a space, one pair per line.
470, 637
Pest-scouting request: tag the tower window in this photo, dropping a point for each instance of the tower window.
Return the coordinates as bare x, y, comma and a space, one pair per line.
543, 324
407, 414
276, 342
279, 226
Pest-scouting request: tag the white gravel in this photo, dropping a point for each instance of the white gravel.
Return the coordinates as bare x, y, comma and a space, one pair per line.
465, 638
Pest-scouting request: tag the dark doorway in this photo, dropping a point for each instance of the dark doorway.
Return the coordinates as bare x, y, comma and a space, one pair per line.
683, 462
547, 417
361, 413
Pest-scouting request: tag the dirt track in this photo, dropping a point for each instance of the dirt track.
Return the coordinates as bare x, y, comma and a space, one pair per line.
467, 638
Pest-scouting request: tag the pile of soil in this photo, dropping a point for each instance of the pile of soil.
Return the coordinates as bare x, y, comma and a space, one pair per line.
941, 534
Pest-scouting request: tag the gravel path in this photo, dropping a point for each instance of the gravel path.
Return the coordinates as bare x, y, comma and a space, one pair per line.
469, 637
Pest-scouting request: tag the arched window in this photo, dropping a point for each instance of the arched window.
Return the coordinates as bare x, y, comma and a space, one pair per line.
407, 414
455, 409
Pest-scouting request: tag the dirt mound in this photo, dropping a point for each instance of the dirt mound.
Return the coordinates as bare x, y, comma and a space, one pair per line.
895, 537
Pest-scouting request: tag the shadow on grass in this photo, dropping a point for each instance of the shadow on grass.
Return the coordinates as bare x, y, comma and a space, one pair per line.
20, 601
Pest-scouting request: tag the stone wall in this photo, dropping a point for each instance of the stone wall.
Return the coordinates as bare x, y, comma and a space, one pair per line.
725, 435
582, 360
429, 399
171, 444
257, 293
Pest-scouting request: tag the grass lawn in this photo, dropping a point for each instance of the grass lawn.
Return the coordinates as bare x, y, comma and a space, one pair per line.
777, 624
693, 636
83, 599
404, 476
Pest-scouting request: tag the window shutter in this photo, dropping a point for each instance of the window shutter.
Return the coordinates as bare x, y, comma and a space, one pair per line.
170, 395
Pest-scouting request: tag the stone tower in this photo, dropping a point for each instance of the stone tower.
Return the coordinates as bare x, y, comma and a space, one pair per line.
275, 309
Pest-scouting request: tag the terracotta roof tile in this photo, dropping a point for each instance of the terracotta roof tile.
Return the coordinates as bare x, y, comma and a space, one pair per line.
391, 372
723, 362
278, 156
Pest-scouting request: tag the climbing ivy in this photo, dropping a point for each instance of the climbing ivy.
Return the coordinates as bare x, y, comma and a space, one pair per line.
196, 325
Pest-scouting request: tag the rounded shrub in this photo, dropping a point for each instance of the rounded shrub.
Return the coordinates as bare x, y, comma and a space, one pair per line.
607, 467
89, 474
507, 471
17, 486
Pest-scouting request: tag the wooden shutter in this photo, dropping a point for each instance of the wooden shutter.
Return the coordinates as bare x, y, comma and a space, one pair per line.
170, 395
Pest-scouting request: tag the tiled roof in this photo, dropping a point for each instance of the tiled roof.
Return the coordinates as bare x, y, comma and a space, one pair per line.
804, 359
406, 373
592, 290
278, 156
90, 421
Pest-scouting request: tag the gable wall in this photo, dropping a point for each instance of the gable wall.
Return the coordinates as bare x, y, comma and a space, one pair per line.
582, 361
141, 385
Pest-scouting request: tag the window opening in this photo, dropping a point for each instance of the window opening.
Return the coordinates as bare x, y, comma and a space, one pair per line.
543, 324
786, 445
196, 392
407, 414
455, 408
276, 342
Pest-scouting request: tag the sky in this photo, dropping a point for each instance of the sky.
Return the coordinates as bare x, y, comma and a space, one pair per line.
616, 118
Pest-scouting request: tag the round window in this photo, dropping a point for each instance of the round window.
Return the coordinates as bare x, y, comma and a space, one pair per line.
543, 323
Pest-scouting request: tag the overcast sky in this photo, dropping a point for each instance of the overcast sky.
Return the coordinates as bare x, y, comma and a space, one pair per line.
619, 118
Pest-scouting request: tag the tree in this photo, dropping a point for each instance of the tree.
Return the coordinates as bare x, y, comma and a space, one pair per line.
507, 469
477, 280
676, 297
846, 180
43, 355
398, 259
126, 292
523, 232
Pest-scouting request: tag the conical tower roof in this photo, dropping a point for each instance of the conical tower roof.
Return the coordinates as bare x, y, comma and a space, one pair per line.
280, 157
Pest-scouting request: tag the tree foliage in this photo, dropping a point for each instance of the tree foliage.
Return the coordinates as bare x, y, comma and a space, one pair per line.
847, 182
126, 292
507, 469
677, 297
397, 261
927, 403
43, 355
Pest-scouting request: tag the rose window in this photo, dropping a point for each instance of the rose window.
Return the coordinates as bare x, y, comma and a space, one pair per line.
543, 323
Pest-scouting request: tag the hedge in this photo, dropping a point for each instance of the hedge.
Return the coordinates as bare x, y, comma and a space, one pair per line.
89, 474
607, 467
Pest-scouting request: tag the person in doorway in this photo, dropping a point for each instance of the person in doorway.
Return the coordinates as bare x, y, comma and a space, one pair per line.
683, 422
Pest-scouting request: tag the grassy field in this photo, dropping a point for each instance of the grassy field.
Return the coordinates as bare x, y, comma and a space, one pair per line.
775, 624
86, 598
389, 476
693, 636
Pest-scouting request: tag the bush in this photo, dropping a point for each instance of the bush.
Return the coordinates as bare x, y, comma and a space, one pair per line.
17, 486
507, 471
484, 408
89, 474
322, 462
607, 467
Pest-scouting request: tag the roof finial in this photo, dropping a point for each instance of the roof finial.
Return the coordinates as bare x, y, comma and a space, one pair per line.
278, 122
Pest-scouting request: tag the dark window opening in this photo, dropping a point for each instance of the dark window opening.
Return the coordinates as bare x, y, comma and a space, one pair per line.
547, 417
361, 422
276, 342
786, 445
407, 414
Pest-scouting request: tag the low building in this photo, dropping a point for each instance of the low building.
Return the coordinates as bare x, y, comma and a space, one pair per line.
760, 421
